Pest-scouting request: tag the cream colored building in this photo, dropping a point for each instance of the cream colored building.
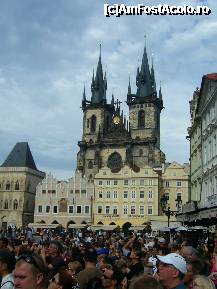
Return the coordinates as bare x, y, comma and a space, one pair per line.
64, 202
18, 180
176, 184
126, 196
129, 196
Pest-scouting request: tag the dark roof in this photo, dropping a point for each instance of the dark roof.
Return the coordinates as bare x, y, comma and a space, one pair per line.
20, 156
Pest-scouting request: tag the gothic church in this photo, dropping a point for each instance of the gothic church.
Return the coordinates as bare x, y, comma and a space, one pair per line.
109, 139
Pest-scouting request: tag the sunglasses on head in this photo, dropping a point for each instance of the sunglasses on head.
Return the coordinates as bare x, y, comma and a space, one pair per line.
29, 259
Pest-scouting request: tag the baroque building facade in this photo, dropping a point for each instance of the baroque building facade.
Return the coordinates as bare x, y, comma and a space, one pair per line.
203, 133
108, 139
19, 177
67, 203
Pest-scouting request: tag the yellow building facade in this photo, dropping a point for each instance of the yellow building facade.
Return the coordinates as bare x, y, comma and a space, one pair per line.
126, 196
176, 184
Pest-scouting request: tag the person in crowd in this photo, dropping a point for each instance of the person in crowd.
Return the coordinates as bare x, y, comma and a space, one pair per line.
171, 271
30, 271
147, 282
136, 268
202, 282
90, 271
62, 280
54, 260
188, 252
7, 264
194, 267
4, 243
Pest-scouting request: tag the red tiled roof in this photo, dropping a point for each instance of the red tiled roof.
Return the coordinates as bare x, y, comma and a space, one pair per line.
212, 76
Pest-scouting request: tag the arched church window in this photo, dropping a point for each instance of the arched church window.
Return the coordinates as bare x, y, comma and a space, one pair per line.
90, 165
8, 186
93, 123
88, 123
17, 186
141, 118
6, 205
140, 152
15, 205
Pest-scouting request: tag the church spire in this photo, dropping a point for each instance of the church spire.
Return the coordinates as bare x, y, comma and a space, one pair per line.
160, 93
129, 87
144, 79
84, 94
99, 84
153, 76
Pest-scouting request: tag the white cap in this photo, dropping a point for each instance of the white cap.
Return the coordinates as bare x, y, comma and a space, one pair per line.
161, 240
176, 260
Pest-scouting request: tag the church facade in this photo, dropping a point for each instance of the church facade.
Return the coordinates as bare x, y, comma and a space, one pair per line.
109, 139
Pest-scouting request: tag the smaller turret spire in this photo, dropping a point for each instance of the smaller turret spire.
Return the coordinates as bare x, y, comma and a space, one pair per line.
84, 94
160, 92
129, 87
113, 100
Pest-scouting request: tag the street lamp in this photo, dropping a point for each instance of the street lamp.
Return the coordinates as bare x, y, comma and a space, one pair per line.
166, 209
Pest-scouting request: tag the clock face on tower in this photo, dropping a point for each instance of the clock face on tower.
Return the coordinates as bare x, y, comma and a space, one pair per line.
116, 120
114, 161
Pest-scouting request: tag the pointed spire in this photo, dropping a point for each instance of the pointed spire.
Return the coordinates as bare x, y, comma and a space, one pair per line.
160, 93
84, 94
99, 84
143, 78
153, 75
129, 87
113, 100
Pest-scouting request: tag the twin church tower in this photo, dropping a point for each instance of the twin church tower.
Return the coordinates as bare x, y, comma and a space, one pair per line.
109, 139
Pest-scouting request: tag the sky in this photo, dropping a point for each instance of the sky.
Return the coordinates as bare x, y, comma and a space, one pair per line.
48, 51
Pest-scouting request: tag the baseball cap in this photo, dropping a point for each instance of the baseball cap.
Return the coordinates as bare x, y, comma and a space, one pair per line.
176, 260
161, 240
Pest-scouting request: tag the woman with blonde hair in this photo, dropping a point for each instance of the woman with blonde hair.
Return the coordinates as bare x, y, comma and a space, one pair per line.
202, 282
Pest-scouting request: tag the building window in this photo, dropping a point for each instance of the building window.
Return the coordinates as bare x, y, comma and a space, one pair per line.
93, 123
167, 184
179, 184
141, 194
87, 209
146, 172
140, 152
90, 165
142, 182
78, 210
54, 192
47, 209
150, 182
115, 182
141, 210
99, 210
150, 210
125, 209
115, 210
125, 194
133, 210
167, 196
100, 182
39, 209
55, 211
108, 183
115, 194
126, 182
150, 194
17, 186
100, 194
15, 204
133, 194
174, 174
8, 186
71, 209
43, 191
133, 182
6, 205
107, 210
141, 119
108, 195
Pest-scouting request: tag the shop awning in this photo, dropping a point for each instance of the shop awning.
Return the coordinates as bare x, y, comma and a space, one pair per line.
42, 226
77, 226
103, 227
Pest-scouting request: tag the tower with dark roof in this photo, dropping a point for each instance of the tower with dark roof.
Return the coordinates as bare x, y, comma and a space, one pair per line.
108, 139
19, 177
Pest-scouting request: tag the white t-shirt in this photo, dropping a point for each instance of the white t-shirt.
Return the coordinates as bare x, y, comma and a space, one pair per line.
7, 282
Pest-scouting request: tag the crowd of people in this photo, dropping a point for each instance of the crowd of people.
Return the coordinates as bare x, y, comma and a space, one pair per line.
108, 260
